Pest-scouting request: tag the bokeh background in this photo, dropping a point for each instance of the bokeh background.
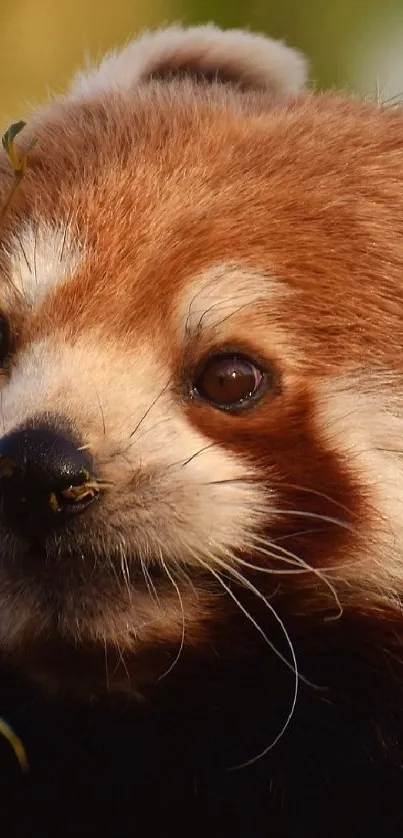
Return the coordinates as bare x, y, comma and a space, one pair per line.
356, 44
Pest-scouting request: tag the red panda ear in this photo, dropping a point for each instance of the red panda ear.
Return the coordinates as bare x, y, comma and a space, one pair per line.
204, 53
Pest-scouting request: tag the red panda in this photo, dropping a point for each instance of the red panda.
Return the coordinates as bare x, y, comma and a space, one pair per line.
200, 450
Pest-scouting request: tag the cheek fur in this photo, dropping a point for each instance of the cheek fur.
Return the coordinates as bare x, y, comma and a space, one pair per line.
177, 503
321, 507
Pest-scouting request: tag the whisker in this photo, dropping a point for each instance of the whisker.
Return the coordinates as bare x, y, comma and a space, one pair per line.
292, 556
271, 571
210, 281
153, 427
234, 480
309, 490
125, 572
149, 582
113, 569
297, 533
318, 516
247, 584
225, 304
298, 512
124, 578
294, 667
182, 641
184, 463
19, 292
66, 230
124, 664
23, 251
145, 414
288, 555
122, 451
101, 410
236, 311
281, 553
180, 573
304, 568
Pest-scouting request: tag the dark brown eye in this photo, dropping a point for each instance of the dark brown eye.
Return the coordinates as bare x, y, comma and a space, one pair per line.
4, 340
229, 381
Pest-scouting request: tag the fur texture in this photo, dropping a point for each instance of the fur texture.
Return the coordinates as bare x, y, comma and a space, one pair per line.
240, 579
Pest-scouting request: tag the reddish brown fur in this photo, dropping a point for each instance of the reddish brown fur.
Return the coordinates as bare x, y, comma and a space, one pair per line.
302, 183
228, 548
178, 177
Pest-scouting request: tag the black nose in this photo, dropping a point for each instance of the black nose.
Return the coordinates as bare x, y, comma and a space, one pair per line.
44, 479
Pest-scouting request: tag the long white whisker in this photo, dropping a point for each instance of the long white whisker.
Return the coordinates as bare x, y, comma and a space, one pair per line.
303, 514
271, 571
294, 667
180, 573
182, 641
304, 568
149, 582
247, 584
297, 534
280, 554
125, 572
310, 491
124, 664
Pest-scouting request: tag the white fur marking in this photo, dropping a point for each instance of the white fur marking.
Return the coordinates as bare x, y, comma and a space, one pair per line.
41, 258
262, 62
215, 298
362, 423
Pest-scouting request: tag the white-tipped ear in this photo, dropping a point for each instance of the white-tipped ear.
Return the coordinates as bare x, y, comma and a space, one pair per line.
206, 53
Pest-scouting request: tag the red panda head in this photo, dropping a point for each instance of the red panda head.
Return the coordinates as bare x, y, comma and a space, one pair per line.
201, 331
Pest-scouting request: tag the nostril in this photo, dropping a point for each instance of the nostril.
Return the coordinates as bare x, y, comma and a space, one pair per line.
76, 497
44, 477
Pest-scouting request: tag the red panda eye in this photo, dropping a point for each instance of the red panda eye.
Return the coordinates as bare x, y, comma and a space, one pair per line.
229, 381
4, 340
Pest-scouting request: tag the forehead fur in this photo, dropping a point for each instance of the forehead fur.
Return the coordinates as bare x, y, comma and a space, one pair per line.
41, 256
176, 178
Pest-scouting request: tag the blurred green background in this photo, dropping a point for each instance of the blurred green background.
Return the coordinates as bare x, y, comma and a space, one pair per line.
357, 44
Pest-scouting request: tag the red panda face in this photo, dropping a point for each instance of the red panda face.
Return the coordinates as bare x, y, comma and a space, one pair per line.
201, 330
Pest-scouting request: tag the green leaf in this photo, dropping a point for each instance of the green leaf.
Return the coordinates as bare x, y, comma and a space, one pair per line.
19, 162
11, 133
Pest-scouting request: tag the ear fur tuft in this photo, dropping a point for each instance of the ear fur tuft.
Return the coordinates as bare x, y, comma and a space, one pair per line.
206, 53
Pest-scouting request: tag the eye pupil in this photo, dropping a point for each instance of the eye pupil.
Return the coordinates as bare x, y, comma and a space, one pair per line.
228, 381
